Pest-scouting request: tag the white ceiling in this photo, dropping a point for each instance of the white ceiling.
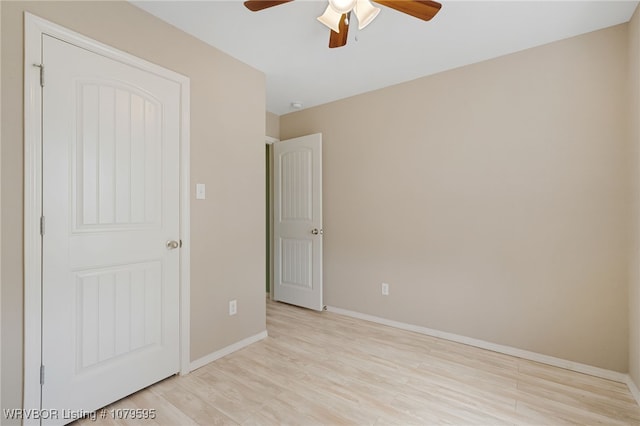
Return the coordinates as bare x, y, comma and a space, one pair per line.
290, 46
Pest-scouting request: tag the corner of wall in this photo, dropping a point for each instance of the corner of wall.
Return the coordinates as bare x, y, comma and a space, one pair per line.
1, 345
272, 125
634, 246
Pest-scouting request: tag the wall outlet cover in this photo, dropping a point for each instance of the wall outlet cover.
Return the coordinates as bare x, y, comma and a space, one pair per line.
385, 289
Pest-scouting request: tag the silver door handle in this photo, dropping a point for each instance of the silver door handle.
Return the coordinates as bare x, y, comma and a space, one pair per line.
172, 244
316, 231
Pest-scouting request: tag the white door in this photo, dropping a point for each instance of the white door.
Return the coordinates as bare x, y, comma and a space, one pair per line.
297, 228
110, 304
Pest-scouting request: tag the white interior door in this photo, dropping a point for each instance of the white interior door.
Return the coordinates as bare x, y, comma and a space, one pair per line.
297, 228
110, 288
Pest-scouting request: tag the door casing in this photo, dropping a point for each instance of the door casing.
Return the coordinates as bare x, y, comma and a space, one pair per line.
269, 141
35, 27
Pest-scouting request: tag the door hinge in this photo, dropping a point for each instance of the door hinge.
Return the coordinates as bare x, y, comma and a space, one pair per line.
42, 225
41, 66
42, 374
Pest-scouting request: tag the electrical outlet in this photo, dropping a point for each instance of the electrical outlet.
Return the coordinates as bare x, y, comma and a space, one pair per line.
233, 307
385, 289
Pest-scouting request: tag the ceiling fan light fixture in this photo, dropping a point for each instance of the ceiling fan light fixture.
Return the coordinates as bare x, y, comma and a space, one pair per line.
365, 12
331, 19
342, 6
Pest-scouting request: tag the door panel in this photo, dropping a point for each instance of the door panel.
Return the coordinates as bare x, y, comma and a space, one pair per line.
110, 309
297, 213
296, 190
116, 156
104, 333
296, 261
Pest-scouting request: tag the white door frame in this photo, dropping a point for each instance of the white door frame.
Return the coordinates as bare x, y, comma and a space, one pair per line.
270, 141
35, 28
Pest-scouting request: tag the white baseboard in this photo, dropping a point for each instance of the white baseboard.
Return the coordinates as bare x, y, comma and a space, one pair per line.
507, 350
633, 388
201, 362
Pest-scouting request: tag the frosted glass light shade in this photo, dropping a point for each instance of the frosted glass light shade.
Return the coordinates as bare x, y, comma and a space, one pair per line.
342, 6
366, 13
331, 19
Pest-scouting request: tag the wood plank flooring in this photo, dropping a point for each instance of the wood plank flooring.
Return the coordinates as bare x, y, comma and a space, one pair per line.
323, 368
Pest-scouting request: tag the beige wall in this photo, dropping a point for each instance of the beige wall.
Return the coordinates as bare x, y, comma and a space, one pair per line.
634, 283
492, 198
227, 154
273, 125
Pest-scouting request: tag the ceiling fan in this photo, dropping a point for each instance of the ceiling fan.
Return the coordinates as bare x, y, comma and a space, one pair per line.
337, 14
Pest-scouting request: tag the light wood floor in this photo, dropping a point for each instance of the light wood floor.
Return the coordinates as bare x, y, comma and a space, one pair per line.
323, 368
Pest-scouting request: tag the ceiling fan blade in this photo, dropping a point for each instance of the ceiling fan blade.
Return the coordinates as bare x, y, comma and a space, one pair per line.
421, 9
340, 39
256, 5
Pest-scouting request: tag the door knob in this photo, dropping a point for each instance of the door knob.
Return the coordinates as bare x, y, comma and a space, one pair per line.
172, 244
316, 231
